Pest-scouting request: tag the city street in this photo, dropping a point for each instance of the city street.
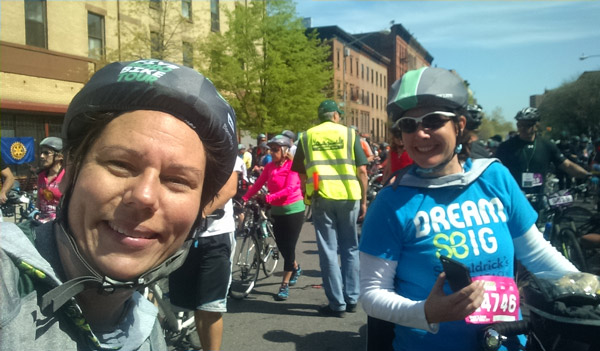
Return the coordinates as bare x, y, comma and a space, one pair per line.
261, 323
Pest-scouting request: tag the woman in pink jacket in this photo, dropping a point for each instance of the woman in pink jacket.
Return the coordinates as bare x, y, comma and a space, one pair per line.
287, 208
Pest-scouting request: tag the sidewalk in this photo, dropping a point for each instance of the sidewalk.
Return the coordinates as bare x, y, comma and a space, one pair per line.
260, 323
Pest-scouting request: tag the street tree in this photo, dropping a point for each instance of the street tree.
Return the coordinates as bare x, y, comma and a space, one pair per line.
271, 71
494, 123
573, 107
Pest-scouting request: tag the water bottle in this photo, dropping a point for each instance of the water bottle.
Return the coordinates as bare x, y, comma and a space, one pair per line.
547, 230
263, 228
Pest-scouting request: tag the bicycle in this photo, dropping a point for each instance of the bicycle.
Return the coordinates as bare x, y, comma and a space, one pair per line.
557, 303
21, 200
179, 327
562, 222
255, 248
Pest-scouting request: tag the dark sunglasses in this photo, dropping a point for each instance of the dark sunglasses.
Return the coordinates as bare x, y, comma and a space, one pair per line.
275, 148
525, 124
432, 121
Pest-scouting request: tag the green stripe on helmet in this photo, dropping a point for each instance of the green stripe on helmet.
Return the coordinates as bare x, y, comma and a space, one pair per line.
407, 94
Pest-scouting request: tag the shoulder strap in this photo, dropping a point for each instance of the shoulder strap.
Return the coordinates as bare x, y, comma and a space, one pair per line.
396, 176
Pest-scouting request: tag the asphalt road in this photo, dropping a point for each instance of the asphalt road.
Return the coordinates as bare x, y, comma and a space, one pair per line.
261, 323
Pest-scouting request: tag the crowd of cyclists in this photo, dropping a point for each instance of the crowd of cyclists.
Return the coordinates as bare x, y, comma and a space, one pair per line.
124, 200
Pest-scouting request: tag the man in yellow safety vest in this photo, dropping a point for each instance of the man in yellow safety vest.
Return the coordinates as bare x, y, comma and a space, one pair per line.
332, 168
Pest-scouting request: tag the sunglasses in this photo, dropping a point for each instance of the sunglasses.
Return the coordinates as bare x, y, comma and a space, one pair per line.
526, 124
275, 148
432, 121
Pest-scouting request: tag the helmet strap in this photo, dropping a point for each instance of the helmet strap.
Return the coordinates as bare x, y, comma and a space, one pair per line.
428, 171
57, 297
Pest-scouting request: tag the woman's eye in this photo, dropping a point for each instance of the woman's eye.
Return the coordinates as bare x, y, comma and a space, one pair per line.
120, 166
177, 181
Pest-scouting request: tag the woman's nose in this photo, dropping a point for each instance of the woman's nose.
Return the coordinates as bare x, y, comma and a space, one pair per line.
144, 191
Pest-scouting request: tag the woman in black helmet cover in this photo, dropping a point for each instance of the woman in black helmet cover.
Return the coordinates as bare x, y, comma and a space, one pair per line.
141, 140
473, 213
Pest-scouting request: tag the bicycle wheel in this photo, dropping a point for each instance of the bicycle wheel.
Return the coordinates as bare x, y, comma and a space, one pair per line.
244, 271
193, 340
308, 214
571, 217
270, 253
576, 216
571, 249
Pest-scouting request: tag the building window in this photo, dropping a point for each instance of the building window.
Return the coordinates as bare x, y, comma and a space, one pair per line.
188, 54
95, 36
186, 9
155, 4
338, 59
367, 74
362, 71
372, 98
214, 15
356, 67
351, 64
35, 23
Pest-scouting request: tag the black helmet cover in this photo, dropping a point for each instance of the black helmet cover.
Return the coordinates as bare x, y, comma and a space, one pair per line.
159, 86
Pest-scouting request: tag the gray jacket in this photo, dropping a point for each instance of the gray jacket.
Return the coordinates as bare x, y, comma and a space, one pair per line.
27, 272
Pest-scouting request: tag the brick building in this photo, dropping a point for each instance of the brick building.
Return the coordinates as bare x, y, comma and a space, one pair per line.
404, 51
51, 48
360, 81
365, 66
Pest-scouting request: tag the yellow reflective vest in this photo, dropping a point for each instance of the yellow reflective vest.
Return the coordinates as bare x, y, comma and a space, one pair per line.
329, 152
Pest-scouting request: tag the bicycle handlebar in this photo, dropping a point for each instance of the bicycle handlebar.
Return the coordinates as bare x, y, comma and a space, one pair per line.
494, 335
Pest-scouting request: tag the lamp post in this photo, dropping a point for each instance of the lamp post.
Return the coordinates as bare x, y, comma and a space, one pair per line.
583, 56
346, 53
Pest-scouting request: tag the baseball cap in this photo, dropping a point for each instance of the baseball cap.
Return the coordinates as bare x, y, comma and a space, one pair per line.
328, 106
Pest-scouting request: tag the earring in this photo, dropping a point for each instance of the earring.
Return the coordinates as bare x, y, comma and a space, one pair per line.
458, 149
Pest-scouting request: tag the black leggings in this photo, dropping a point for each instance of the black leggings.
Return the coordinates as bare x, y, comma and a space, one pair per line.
287, 230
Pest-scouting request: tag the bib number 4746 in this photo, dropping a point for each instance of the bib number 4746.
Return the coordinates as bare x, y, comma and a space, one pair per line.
500, 301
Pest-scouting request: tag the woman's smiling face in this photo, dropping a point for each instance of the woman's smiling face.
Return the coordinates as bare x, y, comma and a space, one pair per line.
429, 148
137, 194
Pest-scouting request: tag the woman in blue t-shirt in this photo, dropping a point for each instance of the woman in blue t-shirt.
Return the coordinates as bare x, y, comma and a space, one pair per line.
473, 213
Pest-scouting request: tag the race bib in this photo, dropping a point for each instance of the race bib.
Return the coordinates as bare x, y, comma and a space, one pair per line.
500, 301
529, 180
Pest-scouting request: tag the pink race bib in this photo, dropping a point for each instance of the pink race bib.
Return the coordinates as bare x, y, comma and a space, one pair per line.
500, 301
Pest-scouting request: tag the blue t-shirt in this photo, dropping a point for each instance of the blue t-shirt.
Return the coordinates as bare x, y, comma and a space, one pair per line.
268, 158
474, 225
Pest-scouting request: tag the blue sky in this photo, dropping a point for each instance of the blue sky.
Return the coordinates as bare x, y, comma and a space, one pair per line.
507, 50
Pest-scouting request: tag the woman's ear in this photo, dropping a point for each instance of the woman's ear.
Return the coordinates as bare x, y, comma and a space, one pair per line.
462, 123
